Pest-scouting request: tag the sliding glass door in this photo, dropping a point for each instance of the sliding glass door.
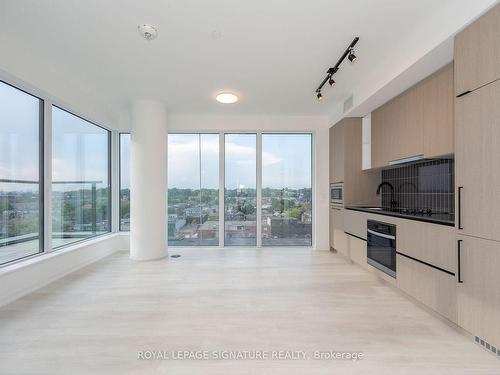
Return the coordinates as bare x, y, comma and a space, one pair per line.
240, 197
286, 190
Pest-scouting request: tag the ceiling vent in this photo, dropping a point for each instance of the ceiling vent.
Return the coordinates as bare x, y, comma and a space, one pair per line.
348, 103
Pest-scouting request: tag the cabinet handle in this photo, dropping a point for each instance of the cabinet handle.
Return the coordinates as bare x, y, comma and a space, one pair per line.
460, 207
459, 250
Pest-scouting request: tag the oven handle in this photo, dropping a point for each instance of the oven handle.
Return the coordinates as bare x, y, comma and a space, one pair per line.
388, 236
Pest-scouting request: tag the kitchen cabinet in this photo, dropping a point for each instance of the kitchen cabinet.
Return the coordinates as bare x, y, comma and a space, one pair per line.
357, 251
430, 243
417, 122
338, 239
432, 287
477, 162
437, 102
477, 53
337, 153
478, 296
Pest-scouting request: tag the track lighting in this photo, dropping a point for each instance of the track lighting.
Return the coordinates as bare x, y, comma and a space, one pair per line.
352, 57
349, 53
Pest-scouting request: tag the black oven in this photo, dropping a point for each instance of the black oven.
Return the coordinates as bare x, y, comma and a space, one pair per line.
381, 249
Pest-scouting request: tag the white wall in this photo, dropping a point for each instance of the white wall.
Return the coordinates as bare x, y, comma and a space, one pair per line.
317, 125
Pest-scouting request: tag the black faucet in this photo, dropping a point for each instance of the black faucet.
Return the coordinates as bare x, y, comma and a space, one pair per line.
393, 202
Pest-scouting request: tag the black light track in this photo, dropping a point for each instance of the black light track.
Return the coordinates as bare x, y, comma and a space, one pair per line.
331, 71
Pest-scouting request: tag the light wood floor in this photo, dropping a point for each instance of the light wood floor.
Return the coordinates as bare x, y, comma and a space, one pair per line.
95, 321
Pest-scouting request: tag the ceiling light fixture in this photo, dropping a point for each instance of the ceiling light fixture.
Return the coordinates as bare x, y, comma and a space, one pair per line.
148, 32
349, 53
352, 57
226, 98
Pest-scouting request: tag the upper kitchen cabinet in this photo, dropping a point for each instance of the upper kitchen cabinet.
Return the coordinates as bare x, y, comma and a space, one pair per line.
346, 161
477, 53
477, 162
437, 102
417, 122
337, 153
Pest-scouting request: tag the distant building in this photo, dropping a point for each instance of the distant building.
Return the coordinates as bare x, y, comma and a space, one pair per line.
282, 227
240, 229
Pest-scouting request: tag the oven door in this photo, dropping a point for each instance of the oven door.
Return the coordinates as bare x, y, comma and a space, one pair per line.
381, 249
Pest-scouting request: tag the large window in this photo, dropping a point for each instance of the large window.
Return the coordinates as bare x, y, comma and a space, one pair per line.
124, 182
80, 178
193, 189
286, 189
240, 194
20, 177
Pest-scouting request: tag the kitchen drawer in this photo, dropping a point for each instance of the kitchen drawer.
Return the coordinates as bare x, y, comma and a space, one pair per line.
431, 243
434, 288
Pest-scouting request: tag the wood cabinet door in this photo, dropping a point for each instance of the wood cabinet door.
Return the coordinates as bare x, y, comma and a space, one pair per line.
437, 98
477, 158
430, 243
432, 287
384, 127
337, 153
477, 53
478, 295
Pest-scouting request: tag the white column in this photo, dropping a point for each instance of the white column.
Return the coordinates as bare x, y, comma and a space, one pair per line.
148, 181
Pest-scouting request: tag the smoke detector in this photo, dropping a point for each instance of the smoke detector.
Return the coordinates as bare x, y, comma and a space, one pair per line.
148, 32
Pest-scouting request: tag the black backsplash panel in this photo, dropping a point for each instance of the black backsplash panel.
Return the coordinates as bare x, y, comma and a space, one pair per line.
428, 184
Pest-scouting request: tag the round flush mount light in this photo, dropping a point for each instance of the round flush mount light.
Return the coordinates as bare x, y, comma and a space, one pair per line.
148, 32
226, 98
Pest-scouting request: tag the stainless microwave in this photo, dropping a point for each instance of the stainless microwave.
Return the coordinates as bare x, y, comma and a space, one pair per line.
337, 194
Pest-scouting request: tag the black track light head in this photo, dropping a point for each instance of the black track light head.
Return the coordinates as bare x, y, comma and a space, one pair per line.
352, 57
331, 81
319, 96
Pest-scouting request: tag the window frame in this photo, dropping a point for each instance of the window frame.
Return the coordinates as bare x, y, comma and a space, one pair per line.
120, 180
221, 206
46, 102
109, 215
41, 175
222, 186
313, 209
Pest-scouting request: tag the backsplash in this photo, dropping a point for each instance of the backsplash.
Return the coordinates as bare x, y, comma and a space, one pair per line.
428, 184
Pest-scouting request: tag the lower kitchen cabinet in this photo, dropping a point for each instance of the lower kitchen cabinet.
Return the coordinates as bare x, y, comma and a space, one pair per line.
338, 239
478, 295
431, 243
357, 250
432, 287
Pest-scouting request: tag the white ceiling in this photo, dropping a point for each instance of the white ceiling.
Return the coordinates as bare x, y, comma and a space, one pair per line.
273, 53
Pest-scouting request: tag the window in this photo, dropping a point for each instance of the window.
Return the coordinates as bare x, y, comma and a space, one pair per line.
80, 178
240, 197
124, 182
193, 189
286, 189
21, 190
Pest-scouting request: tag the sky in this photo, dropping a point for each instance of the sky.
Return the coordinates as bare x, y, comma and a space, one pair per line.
286, 161
79, 148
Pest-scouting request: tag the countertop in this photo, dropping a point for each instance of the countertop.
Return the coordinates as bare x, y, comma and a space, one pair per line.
435, 218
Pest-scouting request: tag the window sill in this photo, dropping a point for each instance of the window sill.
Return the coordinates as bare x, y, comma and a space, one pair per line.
42, 257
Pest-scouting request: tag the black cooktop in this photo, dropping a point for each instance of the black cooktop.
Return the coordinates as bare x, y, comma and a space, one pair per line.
445, 218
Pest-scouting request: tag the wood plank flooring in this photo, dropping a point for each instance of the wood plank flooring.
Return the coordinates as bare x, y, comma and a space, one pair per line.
96, 320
